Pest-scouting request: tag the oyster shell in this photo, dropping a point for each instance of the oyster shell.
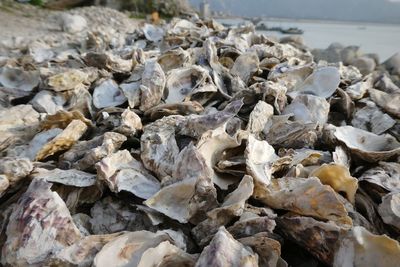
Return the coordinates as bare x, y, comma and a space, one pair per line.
361, 248
173, 59
46, 224
226, 251
389, 209
245, 66
67, 177
153, 83
192, 188
166, 254
129, 248
385, 175
122, 172
108, 94
47, 102
308, 108
63, 141
232, 207
83, 252
259, 159
19, 79
267, 249
322, 82
153, 33
320, 238
366, 145
304, 196
68, 80
183, 82
339, 178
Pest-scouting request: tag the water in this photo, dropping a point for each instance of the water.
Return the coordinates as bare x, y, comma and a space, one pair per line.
382, 39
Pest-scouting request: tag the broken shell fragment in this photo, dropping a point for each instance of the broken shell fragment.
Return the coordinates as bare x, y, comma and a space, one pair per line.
67, 177
63, 141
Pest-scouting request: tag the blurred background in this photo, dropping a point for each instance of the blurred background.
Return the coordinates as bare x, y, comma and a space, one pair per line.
356, 26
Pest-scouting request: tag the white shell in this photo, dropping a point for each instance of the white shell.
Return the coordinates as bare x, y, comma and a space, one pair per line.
108, 94
19, 79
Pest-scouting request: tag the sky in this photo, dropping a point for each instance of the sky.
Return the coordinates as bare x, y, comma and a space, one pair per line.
386, 11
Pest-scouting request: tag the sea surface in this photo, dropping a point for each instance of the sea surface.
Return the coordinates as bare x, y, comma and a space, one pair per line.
382, 39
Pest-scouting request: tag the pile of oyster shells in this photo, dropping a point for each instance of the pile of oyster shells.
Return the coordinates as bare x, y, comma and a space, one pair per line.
192, 144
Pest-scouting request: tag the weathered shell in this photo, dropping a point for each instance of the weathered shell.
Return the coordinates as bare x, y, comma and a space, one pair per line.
361, 248
83, 155
63, 141
173, 59
18, 123
304, 196
153, 33
259, 117
389, 102
83, 251
389, 209
122, 172
320, 238
339, 178
245, 66
166, 254
385, 175
232, 207
15, 169
67, 177
371, 118
259, 159
47, 102
308, 108
19, 79
68, 80
184, 108
226, 251
128, 249
47, 225
186, 81
194, 186
108, 61
153, 83
108, 94
366, 145
267, 249
322, 82
61, 119
211, 146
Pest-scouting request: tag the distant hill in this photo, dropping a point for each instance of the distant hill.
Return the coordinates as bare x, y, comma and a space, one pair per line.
383, 11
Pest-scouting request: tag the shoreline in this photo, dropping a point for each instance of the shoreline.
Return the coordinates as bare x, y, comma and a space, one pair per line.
314, 21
